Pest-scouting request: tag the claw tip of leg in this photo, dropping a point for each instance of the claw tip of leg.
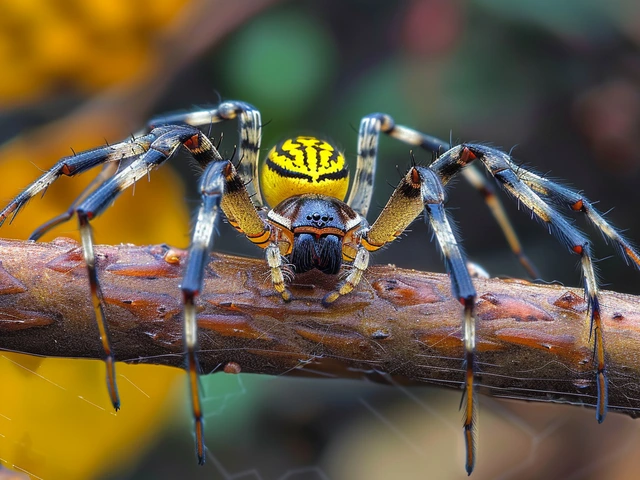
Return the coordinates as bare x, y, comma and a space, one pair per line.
329, 298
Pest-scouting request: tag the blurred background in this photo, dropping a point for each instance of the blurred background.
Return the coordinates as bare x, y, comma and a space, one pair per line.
557, 82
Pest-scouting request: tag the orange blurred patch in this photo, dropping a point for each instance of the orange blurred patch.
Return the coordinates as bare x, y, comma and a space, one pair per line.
56, 420
48, 46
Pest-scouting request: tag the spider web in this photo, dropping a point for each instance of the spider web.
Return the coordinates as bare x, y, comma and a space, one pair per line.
268, 428
338, 429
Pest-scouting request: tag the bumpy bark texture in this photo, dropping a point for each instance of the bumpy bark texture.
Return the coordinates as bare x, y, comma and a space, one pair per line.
400, 325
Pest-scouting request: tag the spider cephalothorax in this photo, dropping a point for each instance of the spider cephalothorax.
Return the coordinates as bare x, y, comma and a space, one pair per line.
313, 225
316, 231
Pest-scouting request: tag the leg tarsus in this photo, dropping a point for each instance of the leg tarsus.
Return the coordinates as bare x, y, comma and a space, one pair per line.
110, 363
191, 345
599, 352
86, 236
469, 396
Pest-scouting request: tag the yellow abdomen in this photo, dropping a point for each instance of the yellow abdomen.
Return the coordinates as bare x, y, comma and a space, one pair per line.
304, 165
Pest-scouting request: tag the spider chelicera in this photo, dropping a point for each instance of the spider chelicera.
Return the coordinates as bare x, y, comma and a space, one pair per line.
310, 225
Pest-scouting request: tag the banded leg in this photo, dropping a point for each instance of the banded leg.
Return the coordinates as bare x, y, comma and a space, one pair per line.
578, 203
221, 188
76, 164
499, 165
362, 189
97, 301
368, 138
211, 189
108, 170
487, 190
249, 130
421, 189
167, 140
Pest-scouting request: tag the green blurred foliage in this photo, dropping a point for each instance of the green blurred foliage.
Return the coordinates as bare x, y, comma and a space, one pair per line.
568, 17
277, 57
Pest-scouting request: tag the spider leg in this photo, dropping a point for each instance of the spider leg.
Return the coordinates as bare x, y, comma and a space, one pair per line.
108, 170
499, 165
368, 137
76, 164
419, 190
166, 142
578, 203
487, 190
249, 130
221, 188
362, 189
97, 301
211, 189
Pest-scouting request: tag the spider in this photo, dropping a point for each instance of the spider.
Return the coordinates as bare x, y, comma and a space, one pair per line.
309, 224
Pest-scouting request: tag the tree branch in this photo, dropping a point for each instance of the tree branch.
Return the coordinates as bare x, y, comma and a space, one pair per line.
401, 325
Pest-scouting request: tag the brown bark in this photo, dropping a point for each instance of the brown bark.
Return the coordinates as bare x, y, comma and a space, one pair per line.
400, 325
